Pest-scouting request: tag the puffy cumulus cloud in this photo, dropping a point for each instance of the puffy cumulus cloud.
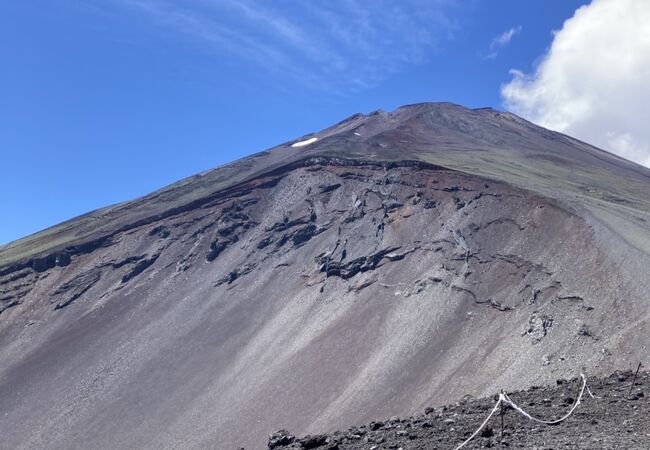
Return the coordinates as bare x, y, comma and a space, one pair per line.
594, 81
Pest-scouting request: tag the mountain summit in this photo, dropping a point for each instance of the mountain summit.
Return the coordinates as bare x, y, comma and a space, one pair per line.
391, 261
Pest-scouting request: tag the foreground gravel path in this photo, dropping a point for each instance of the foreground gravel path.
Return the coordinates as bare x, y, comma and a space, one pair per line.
611, 420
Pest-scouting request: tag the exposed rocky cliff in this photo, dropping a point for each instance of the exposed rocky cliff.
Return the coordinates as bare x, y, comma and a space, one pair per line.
399, 260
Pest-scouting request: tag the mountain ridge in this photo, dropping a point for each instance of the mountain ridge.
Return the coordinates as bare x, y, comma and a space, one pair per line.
23, 248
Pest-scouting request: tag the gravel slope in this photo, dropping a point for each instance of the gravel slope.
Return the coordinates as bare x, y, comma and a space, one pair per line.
613, 419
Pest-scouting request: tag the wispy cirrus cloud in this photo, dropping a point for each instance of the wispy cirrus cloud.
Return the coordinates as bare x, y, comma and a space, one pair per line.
500, 41
337, 44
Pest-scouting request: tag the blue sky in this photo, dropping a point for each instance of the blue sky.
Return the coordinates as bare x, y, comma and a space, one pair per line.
104, 101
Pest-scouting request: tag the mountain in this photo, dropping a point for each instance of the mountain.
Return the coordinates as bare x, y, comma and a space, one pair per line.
392, 261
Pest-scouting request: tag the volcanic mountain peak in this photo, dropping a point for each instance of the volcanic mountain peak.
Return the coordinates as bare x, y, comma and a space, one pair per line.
400, 259
483, 141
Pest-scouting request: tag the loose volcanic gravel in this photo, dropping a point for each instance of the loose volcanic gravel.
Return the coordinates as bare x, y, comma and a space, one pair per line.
617, 417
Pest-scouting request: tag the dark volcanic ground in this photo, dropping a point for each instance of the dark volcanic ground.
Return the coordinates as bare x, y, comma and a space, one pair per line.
613, 419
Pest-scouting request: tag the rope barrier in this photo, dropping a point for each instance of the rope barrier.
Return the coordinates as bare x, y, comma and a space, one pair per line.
589, 392
551, 422
505, 399
496, 406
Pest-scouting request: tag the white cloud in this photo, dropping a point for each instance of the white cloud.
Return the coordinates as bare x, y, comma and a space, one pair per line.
329, 44
501, 41
593, 82
505, 37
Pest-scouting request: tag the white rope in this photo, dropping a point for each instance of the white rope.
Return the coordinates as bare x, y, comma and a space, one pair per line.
589, 391
496, 406
551, 422
504, 398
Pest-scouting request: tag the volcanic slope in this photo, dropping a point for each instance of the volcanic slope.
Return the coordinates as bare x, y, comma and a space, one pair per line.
391, 261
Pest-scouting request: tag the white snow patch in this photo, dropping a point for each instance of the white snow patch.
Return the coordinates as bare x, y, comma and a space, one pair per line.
305, 142
357, 134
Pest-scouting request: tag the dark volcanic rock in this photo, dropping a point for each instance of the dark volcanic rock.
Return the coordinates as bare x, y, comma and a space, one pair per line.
216, 247
351, 268
611, 419
313, 441
75, 288
140, 267
281, 438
